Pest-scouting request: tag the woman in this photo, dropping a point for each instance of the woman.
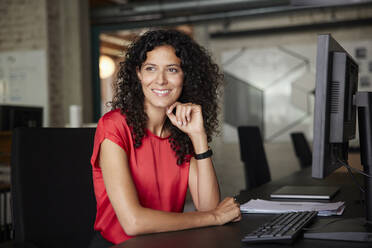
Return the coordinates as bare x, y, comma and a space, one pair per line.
153, 145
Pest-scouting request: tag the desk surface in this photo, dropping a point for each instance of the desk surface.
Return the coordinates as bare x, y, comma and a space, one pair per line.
230, 235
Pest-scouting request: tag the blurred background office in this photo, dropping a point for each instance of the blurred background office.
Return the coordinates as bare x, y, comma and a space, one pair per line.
59, 53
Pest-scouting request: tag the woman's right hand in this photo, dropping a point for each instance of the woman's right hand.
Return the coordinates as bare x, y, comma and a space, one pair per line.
227, 210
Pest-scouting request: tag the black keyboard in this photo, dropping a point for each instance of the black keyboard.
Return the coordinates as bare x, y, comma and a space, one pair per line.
283, 228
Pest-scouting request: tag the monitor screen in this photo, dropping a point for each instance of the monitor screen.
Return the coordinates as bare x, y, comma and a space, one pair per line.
20, 116
335, 112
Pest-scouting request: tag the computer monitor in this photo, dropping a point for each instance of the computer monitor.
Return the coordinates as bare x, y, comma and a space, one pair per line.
336, 102
335, 113
12, 116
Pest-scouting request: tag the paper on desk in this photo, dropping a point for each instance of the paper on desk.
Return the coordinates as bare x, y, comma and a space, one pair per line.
275, 207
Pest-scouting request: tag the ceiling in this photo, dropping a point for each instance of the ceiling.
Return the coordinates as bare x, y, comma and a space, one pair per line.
145, 13
140, 13
115, 43
131, 16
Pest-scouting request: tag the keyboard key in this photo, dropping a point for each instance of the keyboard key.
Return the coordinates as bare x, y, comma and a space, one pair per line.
283, 228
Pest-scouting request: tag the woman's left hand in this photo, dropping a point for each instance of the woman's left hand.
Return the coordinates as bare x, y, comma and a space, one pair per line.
188, 118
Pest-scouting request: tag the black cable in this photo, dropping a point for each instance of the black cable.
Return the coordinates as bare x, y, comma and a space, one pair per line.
354, 179
362, 191
354, 169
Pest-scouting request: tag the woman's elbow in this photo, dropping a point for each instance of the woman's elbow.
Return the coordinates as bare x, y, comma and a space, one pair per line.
133, 226
131, 230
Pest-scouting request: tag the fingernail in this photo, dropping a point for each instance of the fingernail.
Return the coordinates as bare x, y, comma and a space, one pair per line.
180, 123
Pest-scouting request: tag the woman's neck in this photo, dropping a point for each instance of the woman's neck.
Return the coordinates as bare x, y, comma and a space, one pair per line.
156, 120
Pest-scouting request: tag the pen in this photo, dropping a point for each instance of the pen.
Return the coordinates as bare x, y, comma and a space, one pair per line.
235, 197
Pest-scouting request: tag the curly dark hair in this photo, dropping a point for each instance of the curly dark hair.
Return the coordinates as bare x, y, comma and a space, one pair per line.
202, 79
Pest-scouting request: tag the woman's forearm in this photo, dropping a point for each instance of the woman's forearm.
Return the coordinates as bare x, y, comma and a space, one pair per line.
147, 220
208, 189
208, 192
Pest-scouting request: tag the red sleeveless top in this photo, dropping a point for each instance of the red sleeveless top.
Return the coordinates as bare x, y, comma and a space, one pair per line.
161, 184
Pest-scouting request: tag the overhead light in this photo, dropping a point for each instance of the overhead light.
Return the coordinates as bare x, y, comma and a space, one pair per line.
106, 67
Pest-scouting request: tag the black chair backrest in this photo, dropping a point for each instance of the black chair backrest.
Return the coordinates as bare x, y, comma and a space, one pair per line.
253, 155
302, 149
52, 188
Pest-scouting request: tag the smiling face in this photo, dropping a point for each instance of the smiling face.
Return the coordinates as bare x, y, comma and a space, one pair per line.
161, 77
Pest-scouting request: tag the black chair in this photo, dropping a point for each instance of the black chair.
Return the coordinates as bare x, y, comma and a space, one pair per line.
253, 155
52, 188
302, 149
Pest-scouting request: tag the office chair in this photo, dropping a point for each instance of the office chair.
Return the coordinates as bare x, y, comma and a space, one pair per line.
253, 155
302, 149
52, 187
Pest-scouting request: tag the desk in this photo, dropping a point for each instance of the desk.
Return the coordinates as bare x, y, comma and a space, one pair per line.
230, 234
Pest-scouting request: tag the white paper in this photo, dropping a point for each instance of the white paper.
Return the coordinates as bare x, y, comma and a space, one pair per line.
275, 207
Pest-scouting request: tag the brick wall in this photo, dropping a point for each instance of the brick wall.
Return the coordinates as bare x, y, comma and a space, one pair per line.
22, 25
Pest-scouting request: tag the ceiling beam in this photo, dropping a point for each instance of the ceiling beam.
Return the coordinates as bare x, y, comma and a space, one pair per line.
160, 13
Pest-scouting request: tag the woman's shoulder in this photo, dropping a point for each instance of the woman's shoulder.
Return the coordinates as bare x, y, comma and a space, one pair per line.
114, 116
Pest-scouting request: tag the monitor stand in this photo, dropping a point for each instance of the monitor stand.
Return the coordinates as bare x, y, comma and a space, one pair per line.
354, 229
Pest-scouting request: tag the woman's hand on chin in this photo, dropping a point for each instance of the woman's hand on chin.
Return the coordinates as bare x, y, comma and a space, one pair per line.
188, 118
